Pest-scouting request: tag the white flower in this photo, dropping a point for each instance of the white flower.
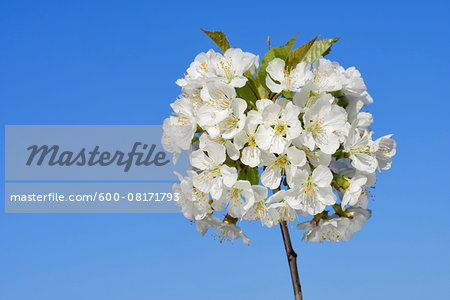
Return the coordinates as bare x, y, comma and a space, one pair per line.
200, 69
311, 193
284, 164
362, 150
209, 221
355, 104
325, 124
169, 140
224, 231
260, 105
224, 145
280, 126
341, 167
316, 157
358, 101
363, 199
257, 208
246, 139
310, 146
213, 176
289, 80
192, 91
183, 121
327, 75
386, 148
354, 190
360, 216
356, 196
228, 68
336, 228
283, 206
233, 123
217, 98
352, 82
233, 198
231, 66
332, 230
230, 232
194, 203
305, 99
363, 121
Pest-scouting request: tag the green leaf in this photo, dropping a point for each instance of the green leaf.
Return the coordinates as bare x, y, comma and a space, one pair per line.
253, 84
219, 38
253, 176
250, 174
342, 213
230, 220
194, 139
288, 94
343, 101
320, 48
298, 55
281, 52
246, 93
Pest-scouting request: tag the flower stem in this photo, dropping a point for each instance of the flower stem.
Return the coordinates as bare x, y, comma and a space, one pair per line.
292, 260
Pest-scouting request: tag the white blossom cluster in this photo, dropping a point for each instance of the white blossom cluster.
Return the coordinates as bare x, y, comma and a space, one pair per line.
307, 138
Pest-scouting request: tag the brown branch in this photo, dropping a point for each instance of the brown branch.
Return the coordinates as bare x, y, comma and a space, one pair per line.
274, 96
292, 260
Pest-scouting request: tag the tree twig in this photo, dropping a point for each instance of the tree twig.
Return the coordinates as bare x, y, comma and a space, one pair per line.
292, 258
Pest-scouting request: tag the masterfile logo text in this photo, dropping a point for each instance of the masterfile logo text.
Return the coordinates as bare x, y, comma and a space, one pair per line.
140, 155
91, 168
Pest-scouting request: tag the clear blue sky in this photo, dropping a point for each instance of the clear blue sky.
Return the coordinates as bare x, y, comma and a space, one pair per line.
110, 62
